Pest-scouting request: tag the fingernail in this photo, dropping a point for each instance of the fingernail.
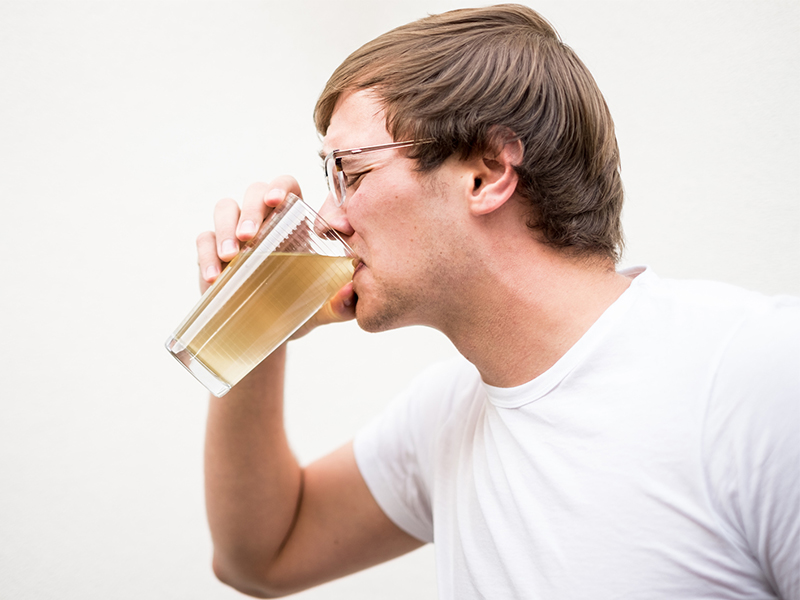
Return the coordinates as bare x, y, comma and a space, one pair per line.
275, 194
247, 228
229, 247
211, 272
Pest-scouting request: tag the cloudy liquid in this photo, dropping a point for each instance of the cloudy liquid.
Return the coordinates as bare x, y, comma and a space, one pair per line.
262, 302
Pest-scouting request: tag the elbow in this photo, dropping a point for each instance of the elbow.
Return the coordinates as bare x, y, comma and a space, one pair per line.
249, 581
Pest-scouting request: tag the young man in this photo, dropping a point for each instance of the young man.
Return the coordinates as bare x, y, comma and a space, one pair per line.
607, 434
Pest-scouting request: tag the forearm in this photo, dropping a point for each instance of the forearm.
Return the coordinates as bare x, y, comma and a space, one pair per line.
253, 481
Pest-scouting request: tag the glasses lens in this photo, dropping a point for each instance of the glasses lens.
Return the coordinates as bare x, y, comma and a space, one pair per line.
335, 179
330, 175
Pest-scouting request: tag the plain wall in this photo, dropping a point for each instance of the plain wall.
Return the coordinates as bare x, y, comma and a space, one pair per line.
122, 123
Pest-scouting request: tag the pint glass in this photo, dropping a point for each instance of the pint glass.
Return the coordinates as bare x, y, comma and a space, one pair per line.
276, 283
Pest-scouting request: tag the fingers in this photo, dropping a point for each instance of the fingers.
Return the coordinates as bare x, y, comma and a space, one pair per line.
208, 259
232, 226
259, 200
340, 308
226, 216
216, 248
254, 209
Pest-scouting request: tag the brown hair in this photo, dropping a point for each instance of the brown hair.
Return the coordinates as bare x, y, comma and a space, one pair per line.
462, 76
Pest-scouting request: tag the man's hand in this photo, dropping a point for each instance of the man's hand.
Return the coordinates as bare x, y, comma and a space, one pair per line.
233, 227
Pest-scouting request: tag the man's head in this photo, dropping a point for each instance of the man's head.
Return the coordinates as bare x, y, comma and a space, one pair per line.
471, 78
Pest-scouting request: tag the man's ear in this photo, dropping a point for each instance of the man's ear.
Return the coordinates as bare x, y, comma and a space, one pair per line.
494, 177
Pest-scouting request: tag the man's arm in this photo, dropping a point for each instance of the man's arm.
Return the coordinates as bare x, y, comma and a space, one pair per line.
278, 528
752, 444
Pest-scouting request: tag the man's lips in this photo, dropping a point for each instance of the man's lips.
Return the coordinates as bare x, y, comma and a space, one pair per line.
358, 264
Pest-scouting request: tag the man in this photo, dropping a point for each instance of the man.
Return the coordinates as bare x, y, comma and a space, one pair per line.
607, 434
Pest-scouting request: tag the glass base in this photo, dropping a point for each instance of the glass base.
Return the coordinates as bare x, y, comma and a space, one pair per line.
213, 383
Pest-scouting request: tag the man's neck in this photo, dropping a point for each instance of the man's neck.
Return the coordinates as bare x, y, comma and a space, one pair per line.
525, 315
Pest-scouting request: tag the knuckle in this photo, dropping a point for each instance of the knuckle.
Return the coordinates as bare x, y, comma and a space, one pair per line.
225, 203
284, 182
256, 188
204, 238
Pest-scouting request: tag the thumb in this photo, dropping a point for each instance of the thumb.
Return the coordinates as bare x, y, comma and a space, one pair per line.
341, 307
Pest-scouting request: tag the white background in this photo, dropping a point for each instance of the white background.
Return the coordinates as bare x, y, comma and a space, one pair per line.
122, 123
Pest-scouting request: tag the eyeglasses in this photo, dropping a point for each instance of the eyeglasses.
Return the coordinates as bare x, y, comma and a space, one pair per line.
338, 182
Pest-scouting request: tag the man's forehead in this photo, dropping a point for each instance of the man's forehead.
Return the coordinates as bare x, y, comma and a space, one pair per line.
357, 120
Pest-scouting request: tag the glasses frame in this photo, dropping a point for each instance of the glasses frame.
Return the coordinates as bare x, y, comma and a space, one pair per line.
334, 171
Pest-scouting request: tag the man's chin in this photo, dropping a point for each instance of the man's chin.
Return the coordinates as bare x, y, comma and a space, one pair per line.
372, 325
375, 321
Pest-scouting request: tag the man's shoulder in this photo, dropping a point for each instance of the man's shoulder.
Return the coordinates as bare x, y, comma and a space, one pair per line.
707, 292
702, 304
768, 334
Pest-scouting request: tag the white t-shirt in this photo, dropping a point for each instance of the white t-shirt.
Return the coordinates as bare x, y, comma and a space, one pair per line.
659, 458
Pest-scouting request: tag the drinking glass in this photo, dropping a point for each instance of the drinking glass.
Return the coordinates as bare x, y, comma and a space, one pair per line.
280, 278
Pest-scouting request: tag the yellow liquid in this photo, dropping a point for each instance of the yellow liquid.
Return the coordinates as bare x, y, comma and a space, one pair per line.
259, 301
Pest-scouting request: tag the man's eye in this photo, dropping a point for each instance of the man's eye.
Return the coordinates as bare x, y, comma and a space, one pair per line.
351, 179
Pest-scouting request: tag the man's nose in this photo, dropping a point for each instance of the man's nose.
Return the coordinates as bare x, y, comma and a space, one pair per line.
336, 216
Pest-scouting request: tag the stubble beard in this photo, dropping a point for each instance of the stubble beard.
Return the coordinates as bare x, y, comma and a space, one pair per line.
391, 306
387, 315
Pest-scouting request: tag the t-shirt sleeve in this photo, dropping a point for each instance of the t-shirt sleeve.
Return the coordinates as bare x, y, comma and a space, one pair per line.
395, 451
753, 443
